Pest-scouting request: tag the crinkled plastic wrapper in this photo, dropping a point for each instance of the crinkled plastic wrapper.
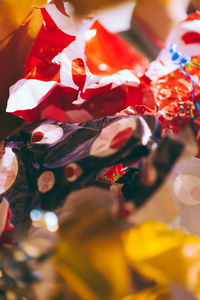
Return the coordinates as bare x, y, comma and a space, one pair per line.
64, 80
75, 92
49, 159
163, 263
168, 257
172, 86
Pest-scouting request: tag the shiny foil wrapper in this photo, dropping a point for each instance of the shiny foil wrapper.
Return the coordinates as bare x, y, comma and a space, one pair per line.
50, 159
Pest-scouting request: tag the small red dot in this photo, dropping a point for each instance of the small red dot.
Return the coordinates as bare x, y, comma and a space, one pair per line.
37, 137
69, 172
47, 176
121, 138
191, 37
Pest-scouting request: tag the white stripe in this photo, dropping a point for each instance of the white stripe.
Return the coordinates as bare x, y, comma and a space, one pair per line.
28, 93
64, 23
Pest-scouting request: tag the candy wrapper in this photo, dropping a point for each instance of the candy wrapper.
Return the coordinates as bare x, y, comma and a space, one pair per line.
184, 183
161, 249
172, 81
6, 227
64, 80
84, 247
85, 7
94, 246
49, 159
19, 25
175, 75
160, 165
18, 28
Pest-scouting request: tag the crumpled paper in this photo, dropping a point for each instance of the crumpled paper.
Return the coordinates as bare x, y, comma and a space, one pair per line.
65, 80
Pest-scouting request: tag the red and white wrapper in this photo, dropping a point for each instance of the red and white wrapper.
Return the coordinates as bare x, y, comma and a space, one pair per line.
172, 89
186, 36
76, 71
